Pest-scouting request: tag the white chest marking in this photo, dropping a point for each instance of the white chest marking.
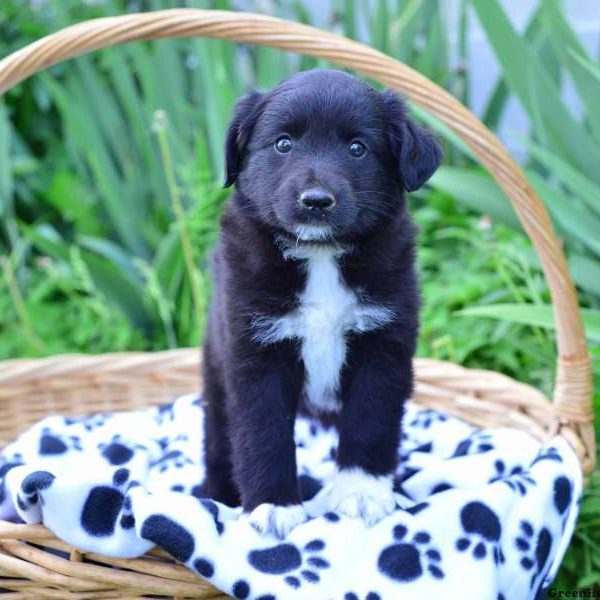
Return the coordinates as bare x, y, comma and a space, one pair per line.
327, 310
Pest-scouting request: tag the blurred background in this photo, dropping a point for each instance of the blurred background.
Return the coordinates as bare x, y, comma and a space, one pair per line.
111, 168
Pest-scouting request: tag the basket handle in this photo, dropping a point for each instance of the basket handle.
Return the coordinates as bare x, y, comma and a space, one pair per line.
573, 388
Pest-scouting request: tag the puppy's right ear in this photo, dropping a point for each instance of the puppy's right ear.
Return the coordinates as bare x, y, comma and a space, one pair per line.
245, 114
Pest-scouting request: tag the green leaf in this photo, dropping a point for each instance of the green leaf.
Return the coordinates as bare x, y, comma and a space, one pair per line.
530, 81
535, 34
568, 46
6, 183
6, 176
118, 289
571, 217
90, 148
585, 273
580, 185
113, 253
529, 314
586, 76
477, 191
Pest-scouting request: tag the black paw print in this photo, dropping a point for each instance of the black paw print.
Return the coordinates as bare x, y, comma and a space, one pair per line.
405, 454
119, 452
175, 539
5, 467
288, 560
476, 443
417, 508
534, 554
35, 482
426, 418
94, 421
165, 442
482, 526
563, 494
52, 443
403, 561
175, 459
213, 509
106, 503
516, 478
165, 412
547, 454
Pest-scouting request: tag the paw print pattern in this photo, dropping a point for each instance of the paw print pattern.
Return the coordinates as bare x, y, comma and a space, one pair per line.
213, 509
482, 528
547, 454
563, 493
476, 443
105, 504
516, 478
94, 421
5, 467
118, 452
534, 554
34, 483
175, 539
52, 443
424, 419
417, 508
405, 454
287, 560
165, 442
165, 412
405, 560
173, 459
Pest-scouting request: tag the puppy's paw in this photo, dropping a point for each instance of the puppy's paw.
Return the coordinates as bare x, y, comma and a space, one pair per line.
270, 519
359, 495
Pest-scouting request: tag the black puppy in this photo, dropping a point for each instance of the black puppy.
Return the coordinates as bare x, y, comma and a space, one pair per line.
316, 297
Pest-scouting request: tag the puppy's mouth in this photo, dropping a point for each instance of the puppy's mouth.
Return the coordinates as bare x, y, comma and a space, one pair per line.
321, 232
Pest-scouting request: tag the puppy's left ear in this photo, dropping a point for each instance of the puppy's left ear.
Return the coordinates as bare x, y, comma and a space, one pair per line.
416, 149
245, 113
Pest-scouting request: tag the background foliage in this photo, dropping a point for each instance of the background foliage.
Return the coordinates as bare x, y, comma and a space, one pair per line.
110, 170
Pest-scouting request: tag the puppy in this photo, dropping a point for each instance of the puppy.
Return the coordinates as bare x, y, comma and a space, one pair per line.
316, 299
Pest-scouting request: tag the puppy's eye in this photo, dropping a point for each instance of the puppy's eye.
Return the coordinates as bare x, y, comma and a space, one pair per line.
357, 149
283, 144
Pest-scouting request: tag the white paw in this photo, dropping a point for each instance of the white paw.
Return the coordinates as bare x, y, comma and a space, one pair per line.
357, 494
277, 520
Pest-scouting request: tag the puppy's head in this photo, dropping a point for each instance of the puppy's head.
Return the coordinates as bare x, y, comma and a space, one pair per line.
324, 156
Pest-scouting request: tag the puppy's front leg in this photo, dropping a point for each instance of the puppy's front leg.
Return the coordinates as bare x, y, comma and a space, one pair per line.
267, 388
375, 384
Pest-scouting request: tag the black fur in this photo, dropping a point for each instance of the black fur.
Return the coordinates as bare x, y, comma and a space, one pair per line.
253, 391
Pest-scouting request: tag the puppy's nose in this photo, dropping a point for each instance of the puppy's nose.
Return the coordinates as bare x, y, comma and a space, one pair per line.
317, 198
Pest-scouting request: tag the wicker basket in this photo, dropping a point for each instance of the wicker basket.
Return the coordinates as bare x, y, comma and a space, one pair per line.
30, 567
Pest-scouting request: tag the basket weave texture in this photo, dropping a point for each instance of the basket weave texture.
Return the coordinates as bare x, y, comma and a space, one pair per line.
73, 384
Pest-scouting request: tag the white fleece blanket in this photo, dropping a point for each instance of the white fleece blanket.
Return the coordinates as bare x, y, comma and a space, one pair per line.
482, 514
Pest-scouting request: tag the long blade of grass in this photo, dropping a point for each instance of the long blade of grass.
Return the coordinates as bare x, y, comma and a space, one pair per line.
87, 143
477, 191
580, 185
585, 273
528, 314
576, 220
570, 49
7, 214
524, 72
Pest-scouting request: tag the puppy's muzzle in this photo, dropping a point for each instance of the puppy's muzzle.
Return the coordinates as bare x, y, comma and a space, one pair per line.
316, 200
